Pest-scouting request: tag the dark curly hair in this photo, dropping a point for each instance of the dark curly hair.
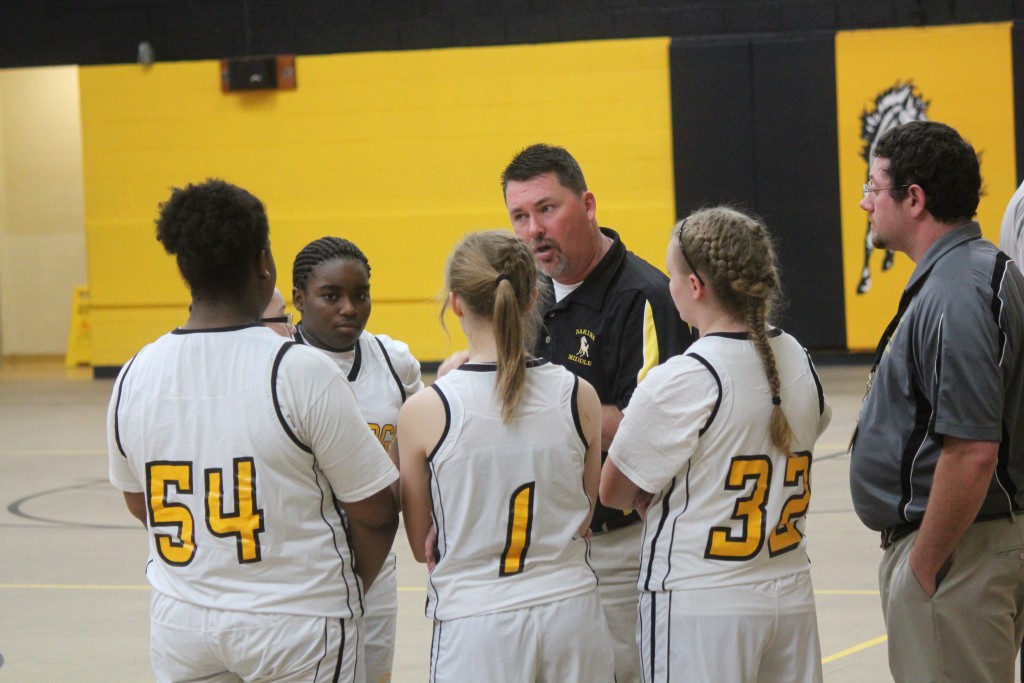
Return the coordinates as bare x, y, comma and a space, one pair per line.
936, 157
216, 231
539, 159
321, 250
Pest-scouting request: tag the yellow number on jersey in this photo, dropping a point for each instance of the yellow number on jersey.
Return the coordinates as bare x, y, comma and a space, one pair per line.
785, 536
722, 544
246, 521
750, 509
520, 526
384, 433
176, 548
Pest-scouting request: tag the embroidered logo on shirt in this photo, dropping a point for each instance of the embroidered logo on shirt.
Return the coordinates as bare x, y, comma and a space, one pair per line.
584, 351
582, 356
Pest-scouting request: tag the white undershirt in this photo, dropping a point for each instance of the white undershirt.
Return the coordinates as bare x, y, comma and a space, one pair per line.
562, 291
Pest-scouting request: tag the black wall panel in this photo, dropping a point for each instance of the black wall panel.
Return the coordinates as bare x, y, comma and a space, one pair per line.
712, 123
46, 32
1017, 42
797, 171
754, 126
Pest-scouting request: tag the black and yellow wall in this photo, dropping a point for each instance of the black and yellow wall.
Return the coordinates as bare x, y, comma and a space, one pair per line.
401, 152
781, 125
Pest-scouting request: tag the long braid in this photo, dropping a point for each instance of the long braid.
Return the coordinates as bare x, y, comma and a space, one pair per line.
736, 252
781, 432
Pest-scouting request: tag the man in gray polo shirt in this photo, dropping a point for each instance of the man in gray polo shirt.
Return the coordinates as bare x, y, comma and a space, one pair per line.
938, 458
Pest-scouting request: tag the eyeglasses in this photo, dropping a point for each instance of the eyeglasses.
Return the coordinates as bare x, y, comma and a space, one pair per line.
286, 319
869, 188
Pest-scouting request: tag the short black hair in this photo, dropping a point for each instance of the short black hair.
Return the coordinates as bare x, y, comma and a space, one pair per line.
321, 250
536, 160
216, 231
934, 156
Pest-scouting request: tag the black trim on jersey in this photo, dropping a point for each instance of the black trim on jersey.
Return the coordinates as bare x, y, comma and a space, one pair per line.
657, 534
576, 412
117, 407
391, 367
343, 523
492, 366
435, 648
339, 655
672, 538
230, 328
743, 336
277, 402
718, 380
817, 383
447, 422
357, 362
441, 532
341, 651
654, 639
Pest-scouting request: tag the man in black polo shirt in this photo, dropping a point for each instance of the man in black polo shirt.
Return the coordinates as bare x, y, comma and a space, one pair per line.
938, 458
612, 319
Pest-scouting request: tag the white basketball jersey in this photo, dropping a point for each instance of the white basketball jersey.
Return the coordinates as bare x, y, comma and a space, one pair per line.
729, 507
241, 441
508, 500
384, 374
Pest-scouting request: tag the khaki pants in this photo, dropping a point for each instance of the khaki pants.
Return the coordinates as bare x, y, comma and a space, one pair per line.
971, 629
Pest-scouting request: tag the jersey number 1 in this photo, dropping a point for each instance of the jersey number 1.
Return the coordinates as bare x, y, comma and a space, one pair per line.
520, 526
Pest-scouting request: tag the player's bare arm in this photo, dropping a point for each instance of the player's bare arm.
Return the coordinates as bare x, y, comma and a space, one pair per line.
619, 491
590, 410
136, 503
962, 478
611, 416
421, 423
372, 523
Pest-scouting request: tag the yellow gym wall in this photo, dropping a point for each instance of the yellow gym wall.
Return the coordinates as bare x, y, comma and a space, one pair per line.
400, 152
966, 75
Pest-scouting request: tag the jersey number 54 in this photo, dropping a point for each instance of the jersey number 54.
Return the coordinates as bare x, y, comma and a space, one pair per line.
177, 546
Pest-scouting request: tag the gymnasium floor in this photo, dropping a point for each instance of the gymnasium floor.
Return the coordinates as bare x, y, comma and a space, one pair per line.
74, 601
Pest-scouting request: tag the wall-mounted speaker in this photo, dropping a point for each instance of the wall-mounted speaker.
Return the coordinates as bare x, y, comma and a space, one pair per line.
258, 73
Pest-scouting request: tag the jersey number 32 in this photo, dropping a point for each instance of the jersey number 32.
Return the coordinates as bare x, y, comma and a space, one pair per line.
743, 544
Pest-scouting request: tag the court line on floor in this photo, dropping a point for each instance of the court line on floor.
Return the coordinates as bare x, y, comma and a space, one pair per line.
855, 649
33, 454
115, 587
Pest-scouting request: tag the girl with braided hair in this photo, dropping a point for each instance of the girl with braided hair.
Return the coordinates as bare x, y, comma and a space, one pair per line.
500, 468
331, 278
716, 449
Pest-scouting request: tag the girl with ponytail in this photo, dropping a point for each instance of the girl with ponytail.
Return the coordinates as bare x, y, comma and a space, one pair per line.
716, 448
500, 466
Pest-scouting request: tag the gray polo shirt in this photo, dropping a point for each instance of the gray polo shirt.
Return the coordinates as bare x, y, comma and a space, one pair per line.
953, 367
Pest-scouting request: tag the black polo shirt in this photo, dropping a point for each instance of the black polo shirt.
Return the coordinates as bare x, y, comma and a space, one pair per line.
612, 330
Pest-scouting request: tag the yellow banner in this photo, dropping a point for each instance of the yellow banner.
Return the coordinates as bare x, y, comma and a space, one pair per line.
959, 75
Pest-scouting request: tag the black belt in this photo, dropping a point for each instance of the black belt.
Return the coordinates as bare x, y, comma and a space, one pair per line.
894, 533
614, 522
